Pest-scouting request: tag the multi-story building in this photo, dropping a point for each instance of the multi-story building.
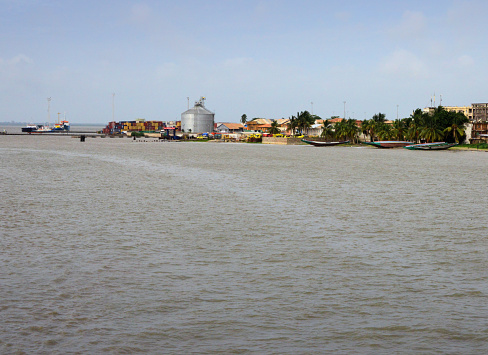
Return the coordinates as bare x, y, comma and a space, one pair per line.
480, 112
480, 122
467, 110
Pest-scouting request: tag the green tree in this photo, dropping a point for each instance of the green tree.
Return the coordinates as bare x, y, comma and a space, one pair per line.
327, 130
292, 125
398, 130
244, 119
379, 117
430, 129
304, 121
367, 127
347, 129
454, 126
274, 128
414, 125
352, 130
372, 126
341, 129
457, 128
384, 131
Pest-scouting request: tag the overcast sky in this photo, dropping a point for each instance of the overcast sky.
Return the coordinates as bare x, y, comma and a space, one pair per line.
262, 58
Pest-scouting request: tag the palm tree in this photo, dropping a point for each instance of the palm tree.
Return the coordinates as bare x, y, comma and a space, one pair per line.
373, 125
244, 119
413, 132
274, 128
352, 130
292, 125
457, 131
415, 123
340, 129
430, 129
304, 121
398, 130
385, 131
456, 125
379, 117
365, 128
327, 130
347, 129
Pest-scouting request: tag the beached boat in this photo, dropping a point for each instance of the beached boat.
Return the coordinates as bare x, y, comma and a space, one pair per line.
389, 144
431, 146
323, 144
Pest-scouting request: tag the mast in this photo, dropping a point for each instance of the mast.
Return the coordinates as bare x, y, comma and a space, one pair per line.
48, 110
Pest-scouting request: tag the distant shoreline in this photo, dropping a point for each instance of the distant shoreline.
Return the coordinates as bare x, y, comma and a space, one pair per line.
26, 123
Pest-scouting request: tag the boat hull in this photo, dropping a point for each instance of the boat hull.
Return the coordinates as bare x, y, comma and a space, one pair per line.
431, 146
389, 144
29, 129
323, 144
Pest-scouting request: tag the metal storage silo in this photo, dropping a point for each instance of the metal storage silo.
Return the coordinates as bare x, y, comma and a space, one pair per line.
197, 119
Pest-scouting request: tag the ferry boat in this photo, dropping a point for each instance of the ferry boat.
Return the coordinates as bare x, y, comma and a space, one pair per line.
30, 128
62, 126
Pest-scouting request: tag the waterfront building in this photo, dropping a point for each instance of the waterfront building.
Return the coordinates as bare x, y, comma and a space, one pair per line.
230, 127
480, 112
257, 124
479, 130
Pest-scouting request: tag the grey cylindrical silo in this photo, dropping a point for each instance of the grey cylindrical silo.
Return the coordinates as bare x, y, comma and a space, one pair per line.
197, 119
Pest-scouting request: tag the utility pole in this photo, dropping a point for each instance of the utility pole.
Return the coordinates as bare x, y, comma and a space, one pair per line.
397, 112
312, 107
344, 109
48, 110
113, 107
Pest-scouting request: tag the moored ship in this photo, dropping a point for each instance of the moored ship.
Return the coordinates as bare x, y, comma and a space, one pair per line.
30, 128
62, 126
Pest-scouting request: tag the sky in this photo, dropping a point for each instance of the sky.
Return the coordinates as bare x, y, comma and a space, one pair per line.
98, 59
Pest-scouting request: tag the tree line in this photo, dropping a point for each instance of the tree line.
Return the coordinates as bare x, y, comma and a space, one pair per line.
439, 125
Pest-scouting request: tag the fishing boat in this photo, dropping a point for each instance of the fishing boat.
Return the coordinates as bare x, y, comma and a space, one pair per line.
323, 144
389, 144
431, 146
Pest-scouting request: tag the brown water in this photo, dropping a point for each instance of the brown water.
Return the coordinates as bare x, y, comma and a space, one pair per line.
123, 247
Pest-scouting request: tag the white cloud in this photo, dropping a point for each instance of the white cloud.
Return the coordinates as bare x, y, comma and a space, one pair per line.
18, 59
412, 25
21, 58
403, 63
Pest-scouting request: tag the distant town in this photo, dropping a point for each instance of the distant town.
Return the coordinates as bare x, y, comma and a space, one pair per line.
457, 124
450, 124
